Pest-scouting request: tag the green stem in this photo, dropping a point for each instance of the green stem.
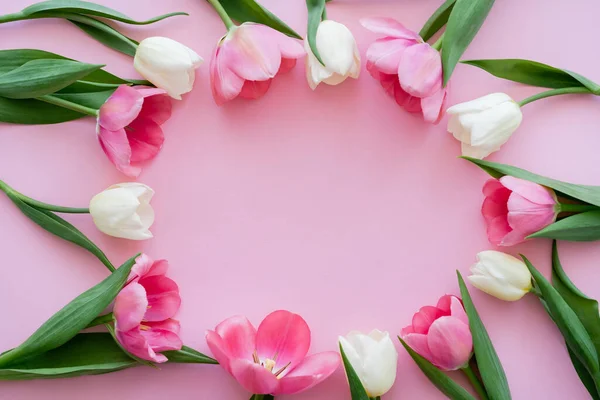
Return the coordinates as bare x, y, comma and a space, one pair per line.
438, 43
68, 105
222, 13
554, 92
324, 14
103, 319
576, 208
38, 204
375, 398
477, 385
12, 17
536, 291
262, 397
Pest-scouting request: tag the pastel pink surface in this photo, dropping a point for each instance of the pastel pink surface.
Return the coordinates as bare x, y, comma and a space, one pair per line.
335, 204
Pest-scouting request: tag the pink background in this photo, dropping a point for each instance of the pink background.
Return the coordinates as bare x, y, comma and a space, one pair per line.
334, 204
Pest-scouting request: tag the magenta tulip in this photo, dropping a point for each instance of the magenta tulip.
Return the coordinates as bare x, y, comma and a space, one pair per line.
270, 360
248, 58
515, 208
144, 309
409, 69
129, 126
441, 334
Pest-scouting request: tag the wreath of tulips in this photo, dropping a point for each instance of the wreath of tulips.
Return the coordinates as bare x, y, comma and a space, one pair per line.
414, 69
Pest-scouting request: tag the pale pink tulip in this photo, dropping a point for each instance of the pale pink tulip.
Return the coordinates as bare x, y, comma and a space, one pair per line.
128, 126
441, 334
270, 360
409, 70
515, 208
144, 309
248, 58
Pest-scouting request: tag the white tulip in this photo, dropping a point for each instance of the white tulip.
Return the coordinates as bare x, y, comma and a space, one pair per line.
168, 64
483, 125
339, 52
124, 211
500, 275
374, 358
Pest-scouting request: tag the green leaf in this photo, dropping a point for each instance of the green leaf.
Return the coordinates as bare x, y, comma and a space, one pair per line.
437, 20
534, 73
584, 375
105, 34
41, 77
72, 318
466, 18
585, 193
187, 355
490, 367
357, 390
34, 112
315, 15
583, 227
251, 11
573, 331
89, 99
44, 8
442, 381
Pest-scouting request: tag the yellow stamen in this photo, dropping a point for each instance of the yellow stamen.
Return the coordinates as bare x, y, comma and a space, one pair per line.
269, 364
282, 369
144, 327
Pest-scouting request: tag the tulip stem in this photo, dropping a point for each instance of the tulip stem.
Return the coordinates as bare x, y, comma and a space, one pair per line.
576, 208
477, 385
222, 13
438, 43
39, 205
12, 17
102, 319
68, 105
262, 397
554, 92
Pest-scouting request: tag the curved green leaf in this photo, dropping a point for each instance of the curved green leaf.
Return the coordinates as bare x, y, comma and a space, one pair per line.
438, 19
583, 227
40, 77
584, 375
315, 15
34, 112
466, 18
534, 73
490, 367
442, 381
357, 390
89, 99
187, 355
105, 34
251, 11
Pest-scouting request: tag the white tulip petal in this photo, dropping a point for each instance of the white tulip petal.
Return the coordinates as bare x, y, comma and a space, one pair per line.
500, 275
479, 104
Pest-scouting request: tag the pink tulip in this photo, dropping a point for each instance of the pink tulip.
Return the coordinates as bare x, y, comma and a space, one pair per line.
144, 309
515, 208
441, 334
248, 58
409, 70
270, 360
129, 126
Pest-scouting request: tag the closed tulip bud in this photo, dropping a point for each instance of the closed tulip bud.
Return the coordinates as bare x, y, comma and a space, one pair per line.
168, 64
483, 125
374, 359
124, 211
338, 51
500, 275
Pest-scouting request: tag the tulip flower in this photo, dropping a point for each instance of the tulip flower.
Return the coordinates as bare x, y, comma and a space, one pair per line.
374, 359
483, 125
271, 360
338, 50
515, 208
246, 60
168, 64
441, 334
129, 126
500, 275
409, 69
144, 309
124, 211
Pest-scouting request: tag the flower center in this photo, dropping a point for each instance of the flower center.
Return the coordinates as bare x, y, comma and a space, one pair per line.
269, 364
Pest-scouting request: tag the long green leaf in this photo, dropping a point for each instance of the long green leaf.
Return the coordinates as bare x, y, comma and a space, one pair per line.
187, 355
534, 73
315, 14
105, 34
251, 11
357, 390
466, 18
584, 227
438, 19
442, 381
86, 8
34, 112
584, 375
490, 367
573, 331
71, 319
40, 77
90, 99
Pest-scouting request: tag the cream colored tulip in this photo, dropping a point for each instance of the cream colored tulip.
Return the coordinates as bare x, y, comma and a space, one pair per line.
338, 50
168, 64
124, 211
500, 275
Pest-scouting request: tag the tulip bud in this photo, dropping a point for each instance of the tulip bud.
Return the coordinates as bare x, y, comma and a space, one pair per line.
124, 211
500, 275
168, 64
483, 125
338, 50
374, 359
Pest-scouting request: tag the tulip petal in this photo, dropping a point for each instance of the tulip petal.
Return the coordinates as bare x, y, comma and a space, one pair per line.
116, 147
225, 84
480, 104
423, 319
255, 89
498, 229
158, 267
286, 65
418, 342
420, 70
388, 27
163, 297
493, 127
336, 46
135, 343
450, 343
254, 377
130, 306
121, 108
529, 217
157, 105
354, 351
392, 87
143, 264
433, 106
528, 190
384, 54
493, 287
283, 337
310, 372
457, 310
163, 335
145, 139
239, 335
219, 349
